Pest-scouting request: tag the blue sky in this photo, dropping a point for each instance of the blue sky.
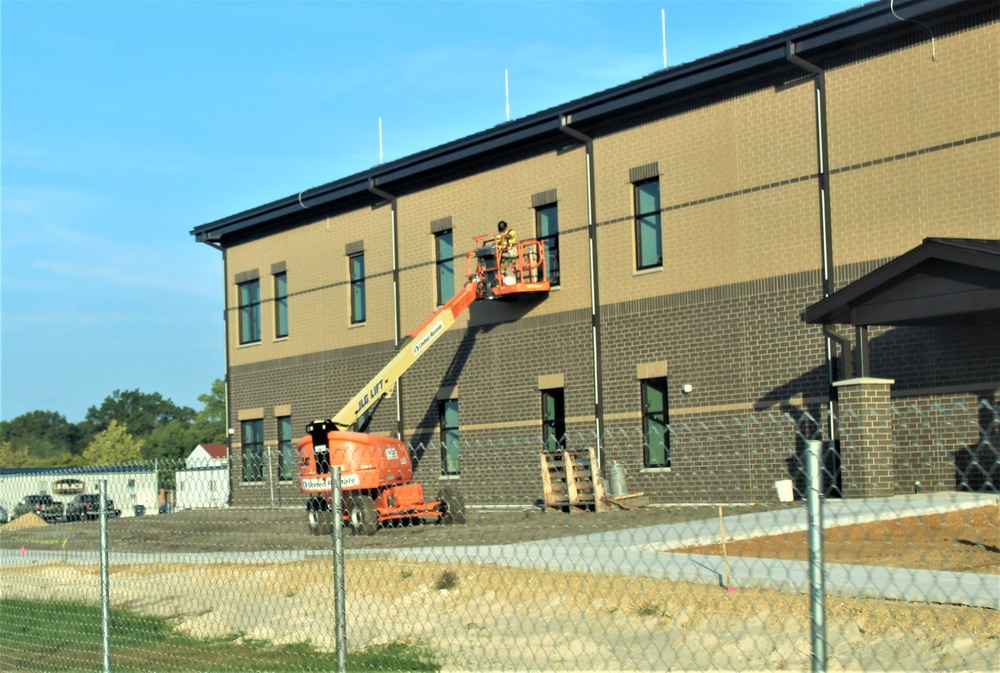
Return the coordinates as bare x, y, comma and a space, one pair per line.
123, 125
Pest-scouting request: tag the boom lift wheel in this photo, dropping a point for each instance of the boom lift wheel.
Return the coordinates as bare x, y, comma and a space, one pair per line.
319, 517
363, 515
452, 506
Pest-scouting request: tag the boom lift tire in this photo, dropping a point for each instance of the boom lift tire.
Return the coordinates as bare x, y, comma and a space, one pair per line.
452, 506
363, 514
320, 517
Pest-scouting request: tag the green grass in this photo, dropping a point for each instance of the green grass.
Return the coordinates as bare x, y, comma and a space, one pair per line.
54, 636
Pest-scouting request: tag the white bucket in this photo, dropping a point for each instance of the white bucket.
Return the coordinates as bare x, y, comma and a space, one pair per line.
784, 489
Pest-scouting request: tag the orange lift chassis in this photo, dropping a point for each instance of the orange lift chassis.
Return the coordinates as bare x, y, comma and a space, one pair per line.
376, 471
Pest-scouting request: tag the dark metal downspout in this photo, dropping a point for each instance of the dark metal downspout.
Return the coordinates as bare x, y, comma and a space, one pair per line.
211, 242
397, 336
595, 299
826, 235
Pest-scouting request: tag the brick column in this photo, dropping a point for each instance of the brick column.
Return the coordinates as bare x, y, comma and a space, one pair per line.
867, 459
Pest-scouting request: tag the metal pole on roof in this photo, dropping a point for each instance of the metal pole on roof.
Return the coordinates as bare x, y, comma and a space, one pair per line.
663, 24
506, 88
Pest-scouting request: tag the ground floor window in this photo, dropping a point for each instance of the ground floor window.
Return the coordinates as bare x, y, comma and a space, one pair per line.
553, 420
655, 419
286, 450
253, 450
450, 449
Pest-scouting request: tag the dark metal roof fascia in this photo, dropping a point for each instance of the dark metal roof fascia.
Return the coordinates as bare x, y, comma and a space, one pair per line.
816, 36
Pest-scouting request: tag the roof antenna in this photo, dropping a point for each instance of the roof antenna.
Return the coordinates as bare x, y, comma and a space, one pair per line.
893, 10
663, 24
380, 140
506, 86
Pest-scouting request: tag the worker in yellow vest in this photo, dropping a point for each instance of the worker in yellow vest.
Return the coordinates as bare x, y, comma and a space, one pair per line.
506, 251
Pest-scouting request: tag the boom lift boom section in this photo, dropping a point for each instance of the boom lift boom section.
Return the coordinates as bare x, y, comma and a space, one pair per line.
376, 472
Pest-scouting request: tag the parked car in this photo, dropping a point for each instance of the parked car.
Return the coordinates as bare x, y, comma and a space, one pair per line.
88, 506
43, 505
3, 516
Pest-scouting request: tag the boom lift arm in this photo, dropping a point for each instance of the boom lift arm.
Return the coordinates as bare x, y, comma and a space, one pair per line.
384, 383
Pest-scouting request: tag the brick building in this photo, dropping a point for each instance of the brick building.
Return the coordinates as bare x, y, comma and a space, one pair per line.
693, 216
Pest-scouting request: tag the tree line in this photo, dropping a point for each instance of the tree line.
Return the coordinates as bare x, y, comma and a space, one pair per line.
128, 427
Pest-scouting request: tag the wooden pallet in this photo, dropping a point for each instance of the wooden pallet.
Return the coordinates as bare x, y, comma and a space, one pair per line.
571, 482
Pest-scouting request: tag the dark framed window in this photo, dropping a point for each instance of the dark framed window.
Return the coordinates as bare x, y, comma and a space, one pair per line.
655, 422
357, 270
280, 305
287, 453
444, 265
648, 234
450, 448
553, 420
249, 308
253, 450
547, 231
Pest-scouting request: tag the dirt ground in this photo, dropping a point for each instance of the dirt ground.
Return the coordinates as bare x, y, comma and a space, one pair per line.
492, 617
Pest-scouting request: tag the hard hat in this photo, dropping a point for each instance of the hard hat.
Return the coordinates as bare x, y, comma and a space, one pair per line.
501, 225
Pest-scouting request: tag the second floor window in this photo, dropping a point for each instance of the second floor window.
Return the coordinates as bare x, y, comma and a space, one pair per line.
444, 263
450, 449
253, 450
648, 235
280, 305
547, 228
358, 310
249, 307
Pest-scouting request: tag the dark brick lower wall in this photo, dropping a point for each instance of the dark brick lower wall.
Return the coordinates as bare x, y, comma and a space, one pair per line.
757, 372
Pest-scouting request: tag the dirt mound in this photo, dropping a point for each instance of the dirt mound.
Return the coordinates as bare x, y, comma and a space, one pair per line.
29, 520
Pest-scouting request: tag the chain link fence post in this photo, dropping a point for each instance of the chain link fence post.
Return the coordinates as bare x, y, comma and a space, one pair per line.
105, 584
339, 599
817, 588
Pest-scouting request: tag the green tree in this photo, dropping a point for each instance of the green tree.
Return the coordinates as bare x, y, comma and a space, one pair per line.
113, 446
11, 457
210, 424
45, 435
140, 412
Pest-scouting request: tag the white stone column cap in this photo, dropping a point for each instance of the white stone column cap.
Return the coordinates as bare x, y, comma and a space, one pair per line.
861, 381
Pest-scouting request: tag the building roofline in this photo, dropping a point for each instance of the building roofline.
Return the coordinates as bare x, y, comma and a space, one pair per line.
750, 60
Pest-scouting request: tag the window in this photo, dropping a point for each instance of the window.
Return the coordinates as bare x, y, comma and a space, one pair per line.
655, 423
547, 230
357, 270
648, 236
280, 305
253, 450
249, 311
444, 261
553, 420
450, 450
286, 451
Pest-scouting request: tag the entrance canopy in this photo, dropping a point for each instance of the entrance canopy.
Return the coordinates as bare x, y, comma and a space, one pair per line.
943, 281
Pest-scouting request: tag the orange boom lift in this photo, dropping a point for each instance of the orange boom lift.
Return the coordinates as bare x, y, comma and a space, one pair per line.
376, 471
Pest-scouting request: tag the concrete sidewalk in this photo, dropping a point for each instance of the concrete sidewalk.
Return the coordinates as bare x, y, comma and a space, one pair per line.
645, 552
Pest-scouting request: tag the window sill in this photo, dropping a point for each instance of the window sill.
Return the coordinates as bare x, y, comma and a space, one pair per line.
249, 344
646, 272
450, 477
656, 470
252, 483
278, 339
355, 325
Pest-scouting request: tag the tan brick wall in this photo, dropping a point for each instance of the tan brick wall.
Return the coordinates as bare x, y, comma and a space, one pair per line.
902, 102
318, 286
475, 205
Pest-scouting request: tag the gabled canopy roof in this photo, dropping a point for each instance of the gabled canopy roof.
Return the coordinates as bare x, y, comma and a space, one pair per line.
943, 281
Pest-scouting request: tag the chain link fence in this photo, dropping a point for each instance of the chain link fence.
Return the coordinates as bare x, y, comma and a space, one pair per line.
194, 568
